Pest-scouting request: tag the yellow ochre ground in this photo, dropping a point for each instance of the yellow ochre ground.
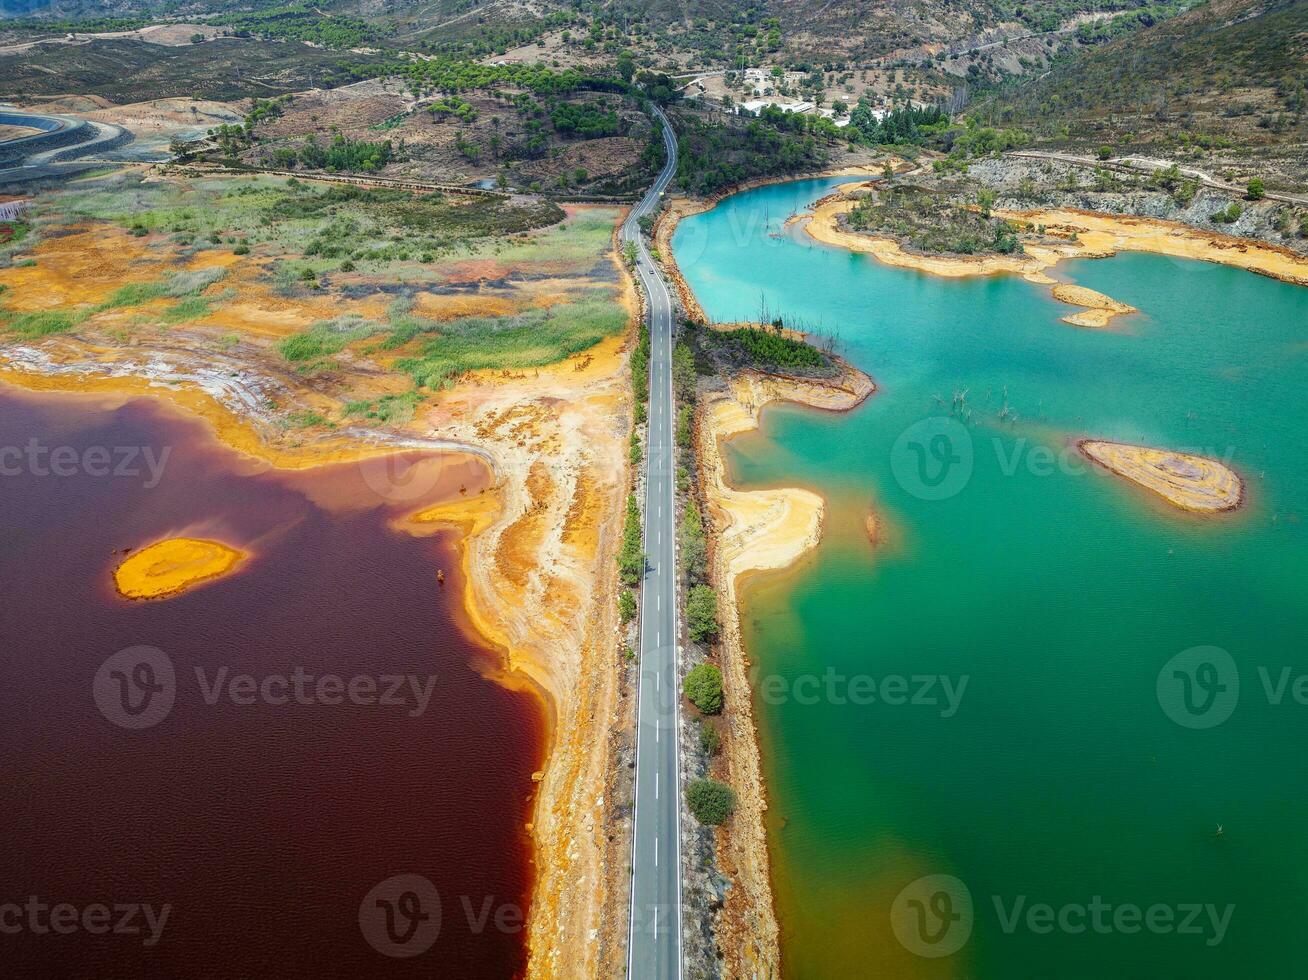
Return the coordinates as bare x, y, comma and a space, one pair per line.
170, 567
1193, 483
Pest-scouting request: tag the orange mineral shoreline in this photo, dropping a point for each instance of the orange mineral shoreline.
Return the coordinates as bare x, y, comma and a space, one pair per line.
541, 585
1085, 234
754, 531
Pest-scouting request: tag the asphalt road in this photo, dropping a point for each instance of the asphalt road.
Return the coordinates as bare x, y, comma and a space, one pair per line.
654, 942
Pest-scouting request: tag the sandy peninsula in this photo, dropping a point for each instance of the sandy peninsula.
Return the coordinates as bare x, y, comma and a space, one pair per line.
173, 566
754, 531
1193, 483
1079, 234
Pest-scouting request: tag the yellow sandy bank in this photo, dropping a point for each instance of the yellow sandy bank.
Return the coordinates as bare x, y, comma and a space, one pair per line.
754, 531
1084, 234
1100, 309
170, 567
1193, 483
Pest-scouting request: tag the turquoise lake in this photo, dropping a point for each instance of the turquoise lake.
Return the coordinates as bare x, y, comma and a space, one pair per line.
1086, 757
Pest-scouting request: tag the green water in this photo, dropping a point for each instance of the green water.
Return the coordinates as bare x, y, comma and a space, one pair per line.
1059, 592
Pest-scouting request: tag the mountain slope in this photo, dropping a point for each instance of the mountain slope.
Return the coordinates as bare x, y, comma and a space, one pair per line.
1222, 80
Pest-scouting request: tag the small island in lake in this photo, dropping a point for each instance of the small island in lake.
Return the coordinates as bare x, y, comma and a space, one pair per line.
167, 568
1193, 483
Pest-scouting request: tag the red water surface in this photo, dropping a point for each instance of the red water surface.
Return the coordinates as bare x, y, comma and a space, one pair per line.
263, 827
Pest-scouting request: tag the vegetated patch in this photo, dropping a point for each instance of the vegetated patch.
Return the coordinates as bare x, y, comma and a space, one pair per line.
534, 338
766, 348
703, 686
126, 71
931, 223
389, 409
185, 284
327, 337
13, 232
430, 213
42, 323
711, 802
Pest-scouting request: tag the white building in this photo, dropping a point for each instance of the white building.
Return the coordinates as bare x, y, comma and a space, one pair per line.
785, 105
761, 81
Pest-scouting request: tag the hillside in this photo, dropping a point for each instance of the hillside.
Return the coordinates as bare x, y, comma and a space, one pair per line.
1222, 84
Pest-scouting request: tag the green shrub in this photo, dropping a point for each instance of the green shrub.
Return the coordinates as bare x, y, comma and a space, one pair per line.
685, 425
711, 802
702, 613
694, 546
1257, 189
631, 558
626, 606
772, 349
710, 741
704, 688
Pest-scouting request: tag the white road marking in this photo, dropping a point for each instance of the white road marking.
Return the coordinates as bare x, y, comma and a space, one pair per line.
656, 852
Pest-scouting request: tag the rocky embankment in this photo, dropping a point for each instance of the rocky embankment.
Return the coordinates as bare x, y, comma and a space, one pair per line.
1025, 184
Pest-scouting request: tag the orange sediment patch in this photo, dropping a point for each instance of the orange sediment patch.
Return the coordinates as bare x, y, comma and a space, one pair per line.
84, 267
170, 567
231, 429
1194, 483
